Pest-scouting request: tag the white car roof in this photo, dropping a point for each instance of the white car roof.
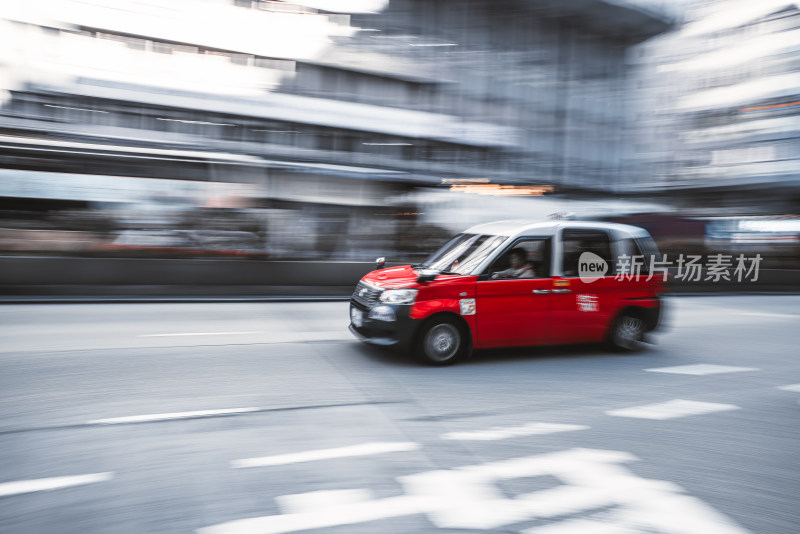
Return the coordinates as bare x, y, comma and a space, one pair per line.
515, 228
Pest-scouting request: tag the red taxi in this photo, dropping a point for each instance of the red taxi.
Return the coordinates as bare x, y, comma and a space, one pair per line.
515, 283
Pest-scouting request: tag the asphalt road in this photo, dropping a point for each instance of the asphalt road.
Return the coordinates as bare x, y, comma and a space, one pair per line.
270, 417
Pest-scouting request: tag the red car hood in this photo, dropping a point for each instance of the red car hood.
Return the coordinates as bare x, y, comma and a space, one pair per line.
403, 277
393, 278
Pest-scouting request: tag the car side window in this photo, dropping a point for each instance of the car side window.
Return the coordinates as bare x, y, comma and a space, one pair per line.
576, 242
525, 258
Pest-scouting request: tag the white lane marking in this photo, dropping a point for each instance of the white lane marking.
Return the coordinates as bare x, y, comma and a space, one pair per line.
592, 484
362, 510
168, 416
791, 387
688, 317
701, 369
322, 499
199, 334
582, 526
672, 409
770, 315
364, 449
260, 337
498, 433
45, 484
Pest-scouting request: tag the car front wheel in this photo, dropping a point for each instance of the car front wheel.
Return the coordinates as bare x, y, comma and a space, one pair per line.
441, 342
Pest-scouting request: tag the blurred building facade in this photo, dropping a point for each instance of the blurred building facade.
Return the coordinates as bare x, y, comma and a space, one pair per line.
718, 108
302, 124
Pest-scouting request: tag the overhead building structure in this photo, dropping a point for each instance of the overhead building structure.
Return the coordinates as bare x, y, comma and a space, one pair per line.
718, 113
308, 112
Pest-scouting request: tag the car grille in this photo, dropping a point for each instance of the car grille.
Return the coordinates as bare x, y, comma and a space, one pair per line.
366, 295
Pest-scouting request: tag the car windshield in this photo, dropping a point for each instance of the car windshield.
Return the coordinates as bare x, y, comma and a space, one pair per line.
463, 253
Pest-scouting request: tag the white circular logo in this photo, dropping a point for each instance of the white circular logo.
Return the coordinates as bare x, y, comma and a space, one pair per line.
591, 267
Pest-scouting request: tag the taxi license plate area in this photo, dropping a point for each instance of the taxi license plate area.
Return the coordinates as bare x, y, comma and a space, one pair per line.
356, 317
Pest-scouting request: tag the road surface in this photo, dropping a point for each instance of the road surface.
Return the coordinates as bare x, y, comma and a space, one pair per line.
269, 417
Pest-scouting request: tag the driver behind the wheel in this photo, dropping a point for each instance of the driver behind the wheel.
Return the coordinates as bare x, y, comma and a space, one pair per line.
520, 266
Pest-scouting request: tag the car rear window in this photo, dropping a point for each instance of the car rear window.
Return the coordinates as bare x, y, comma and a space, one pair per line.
576, 242
646, 247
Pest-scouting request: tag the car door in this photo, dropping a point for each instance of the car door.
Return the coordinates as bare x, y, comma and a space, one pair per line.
514, 311
585, 295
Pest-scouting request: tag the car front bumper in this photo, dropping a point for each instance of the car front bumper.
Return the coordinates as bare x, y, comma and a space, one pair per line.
397, 334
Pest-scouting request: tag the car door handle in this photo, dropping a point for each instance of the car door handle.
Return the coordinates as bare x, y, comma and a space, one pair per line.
561, 290
541, 291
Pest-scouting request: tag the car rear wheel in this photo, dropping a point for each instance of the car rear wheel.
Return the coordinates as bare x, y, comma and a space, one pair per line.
628, 331
442, 342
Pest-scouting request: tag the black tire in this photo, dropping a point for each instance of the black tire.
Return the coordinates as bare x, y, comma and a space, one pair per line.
441, 342
627, 332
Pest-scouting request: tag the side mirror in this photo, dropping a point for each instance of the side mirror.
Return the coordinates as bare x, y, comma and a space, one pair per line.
426, 276
380, 263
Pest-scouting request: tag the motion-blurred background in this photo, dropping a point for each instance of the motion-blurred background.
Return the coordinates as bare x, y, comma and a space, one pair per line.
349, 129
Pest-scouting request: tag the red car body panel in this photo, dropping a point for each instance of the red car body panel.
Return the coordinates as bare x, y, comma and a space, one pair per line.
521, 312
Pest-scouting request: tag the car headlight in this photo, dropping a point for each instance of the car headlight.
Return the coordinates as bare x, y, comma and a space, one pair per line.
382, 313
399, 296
